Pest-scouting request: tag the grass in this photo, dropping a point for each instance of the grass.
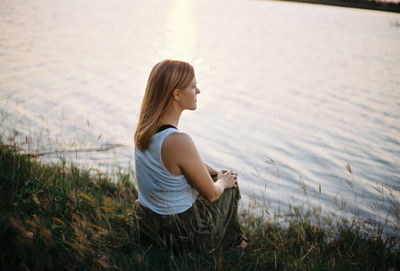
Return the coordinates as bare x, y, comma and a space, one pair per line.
61, 217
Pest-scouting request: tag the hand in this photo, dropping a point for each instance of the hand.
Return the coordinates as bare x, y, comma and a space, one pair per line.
228, 177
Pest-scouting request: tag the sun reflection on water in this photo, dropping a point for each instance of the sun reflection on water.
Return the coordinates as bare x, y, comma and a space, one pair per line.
180, 36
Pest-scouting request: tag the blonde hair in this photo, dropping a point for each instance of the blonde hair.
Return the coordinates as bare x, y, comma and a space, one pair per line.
165, 77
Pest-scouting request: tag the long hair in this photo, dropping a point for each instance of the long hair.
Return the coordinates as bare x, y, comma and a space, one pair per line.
165, 77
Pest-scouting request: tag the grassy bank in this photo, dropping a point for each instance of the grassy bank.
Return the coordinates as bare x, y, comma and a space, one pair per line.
58, 216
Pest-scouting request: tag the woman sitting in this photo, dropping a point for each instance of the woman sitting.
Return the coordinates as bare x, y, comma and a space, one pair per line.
182, 201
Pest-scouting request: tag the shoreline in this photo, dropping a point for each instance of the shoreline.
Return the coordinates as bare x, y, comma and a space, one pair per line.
362, 4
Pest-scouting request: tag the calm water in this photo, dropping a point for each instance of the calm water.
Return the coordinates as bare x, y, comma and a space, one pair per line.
311, 88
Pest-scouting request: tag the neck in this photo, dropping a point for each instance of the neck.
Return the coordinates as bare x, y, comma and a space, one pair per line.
171, 115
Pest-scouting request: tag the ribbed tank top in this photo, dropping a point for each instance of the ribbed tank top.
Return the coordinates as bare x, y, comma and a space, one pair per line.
160, 190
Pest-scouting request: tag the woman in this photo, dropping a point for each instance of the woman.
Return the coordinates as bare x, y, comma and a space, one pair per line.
182, 201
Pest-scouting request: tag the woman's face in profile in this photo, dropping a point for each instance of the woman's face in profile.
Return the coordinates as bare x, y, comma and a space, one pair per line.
189, 100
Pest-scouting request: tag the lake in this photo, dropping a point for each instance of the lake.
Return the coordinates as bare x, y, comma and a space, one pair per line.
291, 93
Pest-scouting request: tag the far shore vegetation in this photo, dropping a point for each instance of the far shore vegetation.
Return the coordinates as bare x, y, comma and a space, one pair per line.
390, 6
63, 217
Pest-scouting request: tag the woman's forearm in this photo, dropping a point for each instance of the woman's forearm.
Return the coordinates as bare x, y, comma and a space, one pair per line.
220, 186
210, 169
225, 180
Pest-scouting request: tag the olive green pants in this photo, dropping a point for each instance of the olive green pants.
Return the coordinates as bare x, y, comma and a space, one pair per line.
205, 226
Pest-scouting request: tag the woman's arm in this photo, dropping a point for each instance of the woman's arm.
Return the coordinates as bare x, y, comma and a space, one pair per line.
180, 148
210, 169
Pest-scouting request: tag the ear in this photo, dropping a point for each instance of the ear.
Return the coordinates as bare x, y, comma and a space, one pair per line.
176, 94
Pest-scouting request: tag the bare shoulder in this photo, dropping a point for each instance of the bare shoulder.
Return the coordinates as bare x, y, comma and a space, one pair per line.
179, 140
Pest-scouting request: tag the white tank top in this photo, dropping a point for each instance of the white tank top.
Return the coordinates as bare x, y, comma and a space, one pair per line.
160, 190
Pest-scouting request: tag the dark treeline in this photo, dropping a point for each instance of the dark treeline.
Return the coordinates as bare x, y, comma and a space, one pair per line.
375, 5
